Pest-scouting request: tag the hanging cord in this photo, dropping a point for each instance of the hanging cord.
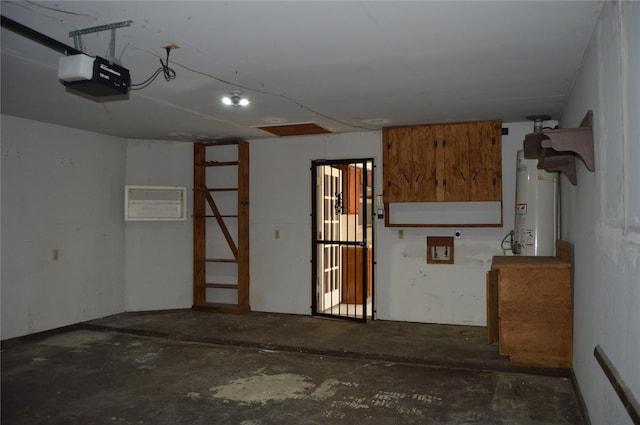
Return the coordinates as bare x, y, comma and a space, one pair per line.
169, 74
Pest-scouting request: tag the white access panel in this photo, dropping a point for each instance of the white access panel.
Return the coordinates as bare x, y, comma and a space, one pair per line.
155, 203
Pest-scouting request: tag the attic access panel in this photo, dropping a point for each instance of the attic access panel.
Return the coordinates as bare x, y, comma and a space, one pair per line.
304, 129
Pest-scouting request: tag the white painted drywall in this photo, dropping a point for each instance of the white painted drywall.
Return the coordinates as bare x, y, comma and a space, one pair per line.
156, 257
601, 215
407, 288
280, 199
62, 189
159, 266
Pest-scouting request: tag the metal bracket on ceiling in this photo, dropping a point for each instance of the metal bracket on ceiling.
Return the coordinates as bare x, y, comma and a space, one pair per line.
77, 36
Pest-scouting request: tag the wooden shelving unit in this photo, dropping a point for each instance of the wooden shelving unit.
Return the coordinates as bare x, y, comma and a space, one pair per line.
233, 226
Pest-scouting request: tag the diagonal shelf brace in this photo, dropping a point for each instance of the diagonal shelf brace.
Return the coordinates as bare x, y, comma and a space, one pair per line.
223, 226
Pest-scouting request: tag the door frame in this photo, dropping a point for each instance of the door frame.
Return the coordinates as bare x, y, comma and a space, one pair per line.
367, 240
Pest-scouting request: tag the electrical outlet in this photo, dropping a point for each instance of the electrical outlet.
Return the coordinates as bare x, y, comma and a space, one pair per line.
55, 255
400, 234
276, 234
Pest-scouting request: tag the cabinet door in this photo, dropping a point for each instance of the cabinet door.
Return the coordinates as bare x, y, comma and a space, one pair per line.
485, 153
409, 164
352, 188
455, 163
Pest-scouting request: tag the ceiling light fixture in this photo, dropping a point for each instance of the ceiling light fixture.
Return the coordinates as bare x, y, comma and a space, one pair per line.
235, 99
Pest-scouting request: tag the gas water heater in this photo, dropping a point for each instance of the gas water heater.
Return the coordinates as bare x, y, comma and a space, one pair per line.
536, 212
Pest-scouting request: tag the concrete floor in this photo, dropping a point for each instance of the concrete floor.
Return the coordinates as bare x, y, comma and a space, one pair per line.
184, 367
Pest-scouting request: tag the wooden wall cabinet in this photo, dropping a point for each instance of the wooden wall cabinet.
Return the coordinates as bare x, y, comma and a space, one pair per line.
529, 309
443, 162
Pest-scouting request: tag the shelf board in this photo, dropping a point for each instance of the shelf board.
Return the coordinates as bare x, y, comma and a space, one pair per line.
222, 308
221, 142
556, 150
214, 216
220, 260
216, 163
221, 285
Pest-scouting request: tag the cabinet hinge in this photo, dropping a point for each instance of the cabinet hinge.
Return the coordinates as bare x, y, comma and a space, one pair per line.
444, 143
388, 146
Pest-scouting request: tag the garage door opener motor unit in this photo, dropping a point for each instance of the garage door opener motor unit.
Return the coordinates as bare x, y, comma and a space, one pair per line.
94, 77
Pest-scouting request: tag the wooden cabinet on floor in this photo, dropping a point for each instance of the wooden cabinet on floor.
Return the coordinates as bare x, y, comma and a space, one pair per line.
529, 308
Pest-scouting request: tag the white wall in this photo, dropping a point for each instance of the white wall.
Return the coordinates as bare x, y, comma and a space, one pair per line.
156, 268
280, 199
62, 190
601, 215
407, 288
159, 266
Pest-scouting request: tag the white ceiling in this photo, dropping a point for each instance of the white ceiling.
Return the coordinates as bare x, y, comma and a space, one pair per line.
345, 65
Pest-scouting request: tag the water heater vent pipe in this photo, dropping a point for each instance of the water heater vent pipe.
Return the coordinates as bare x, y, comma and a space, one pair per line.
537, 121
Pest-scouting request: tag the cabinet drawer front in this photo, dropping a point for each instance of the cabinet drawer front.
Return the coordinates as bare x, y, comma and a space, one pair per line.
542, 344
535, 294
535, 312
542, 284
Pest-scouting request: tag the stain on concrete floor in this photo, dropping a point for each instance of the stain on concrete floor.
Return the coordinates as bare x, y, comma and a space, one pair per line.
91, 377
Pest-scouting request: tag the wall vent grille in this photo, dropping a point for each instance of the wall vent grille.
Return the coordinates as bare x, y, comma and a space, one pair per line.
155, 203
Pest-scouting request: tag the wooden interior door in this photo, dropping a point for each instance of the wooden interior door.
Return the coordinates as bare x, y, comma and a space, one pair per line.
331, 196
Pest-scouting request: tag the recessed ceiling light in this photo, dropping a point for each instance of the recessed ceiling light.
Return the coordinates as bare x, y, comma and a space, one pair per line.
235, 99
274, 120
181, 135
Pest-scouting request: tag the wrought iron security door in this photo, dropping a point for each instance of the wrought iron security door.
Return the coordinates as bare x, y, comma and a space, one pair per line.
342, 239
